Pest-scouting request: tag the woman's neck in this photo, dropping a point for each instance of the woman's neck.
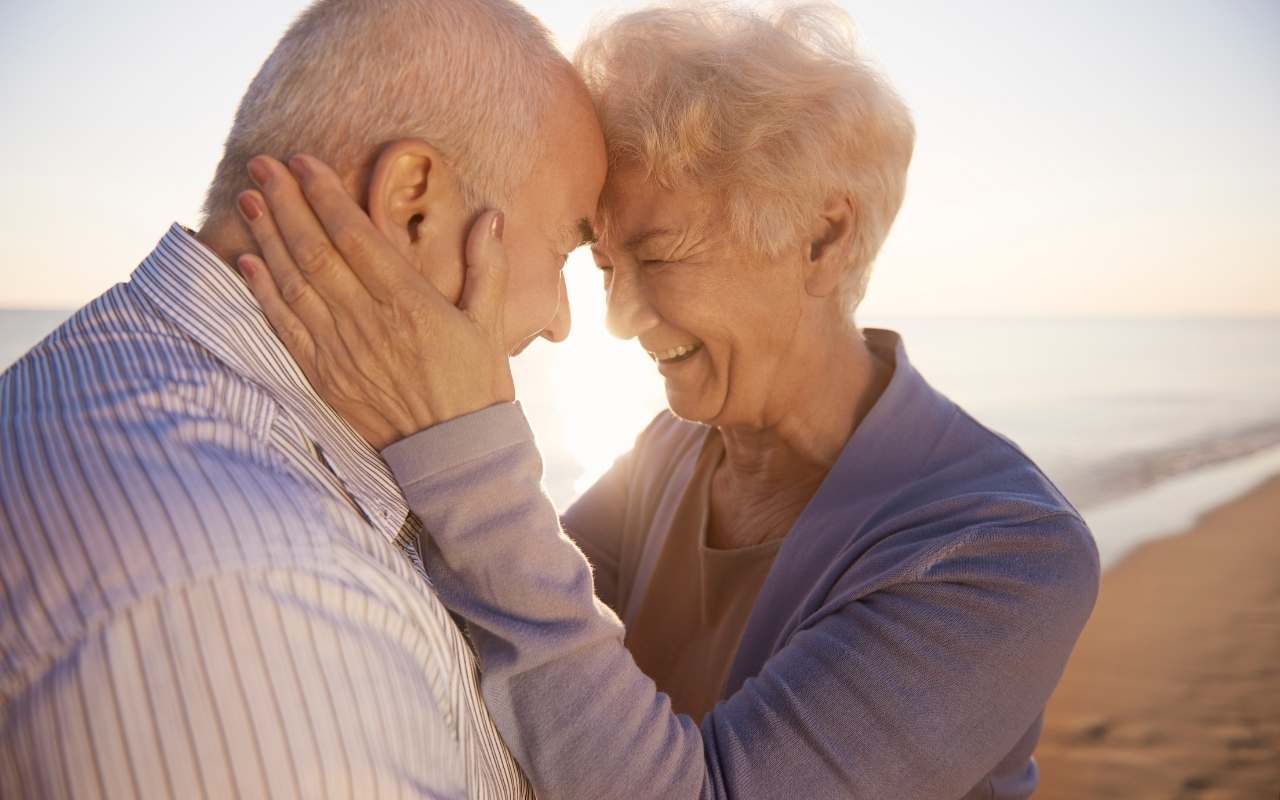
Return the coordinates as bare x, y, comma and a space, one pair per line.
770, 472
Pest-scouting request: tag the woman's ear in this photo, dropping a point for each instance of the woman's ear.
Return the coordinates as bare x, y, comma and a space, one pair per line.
414, 195
830, 246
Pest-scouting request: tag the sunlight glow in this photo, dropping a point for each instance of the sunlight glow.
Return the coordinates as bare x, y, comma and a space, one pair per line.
601, 391
609, 387
589, 396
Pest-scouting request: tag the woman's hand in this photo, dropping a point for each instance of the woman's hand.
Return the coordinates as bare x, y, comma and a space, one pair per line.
378, 342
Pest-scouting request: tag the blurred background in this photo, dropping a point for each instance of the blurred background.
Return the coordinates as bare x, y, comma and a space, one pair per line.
1088, 260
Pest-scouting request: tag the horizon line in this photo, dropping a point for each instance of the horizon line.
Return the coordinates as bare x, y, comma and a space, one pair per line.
1110, 316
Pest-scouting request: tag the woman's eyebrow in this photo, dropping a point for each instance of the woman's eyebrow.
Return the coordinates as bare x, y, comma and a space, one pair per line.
635, 242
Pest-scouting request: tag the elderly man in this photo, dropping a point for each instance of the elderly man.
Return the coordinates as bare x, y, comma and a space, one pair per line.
210, 583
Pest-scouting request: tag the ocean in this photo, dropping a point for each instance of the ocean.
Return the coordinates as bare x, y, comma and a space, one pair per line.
1144, 423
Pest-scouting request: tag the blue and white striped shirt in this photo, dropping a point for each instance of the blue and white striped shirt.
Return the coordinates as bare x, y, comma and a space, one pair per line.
209, 584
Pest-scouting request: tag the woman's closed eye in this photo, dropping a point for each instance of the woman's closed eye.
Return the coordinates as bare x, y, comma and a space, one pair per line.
652, 265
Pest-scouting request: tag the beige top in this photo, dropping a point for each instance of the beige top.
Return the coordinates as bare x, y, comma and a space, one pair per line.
687, 627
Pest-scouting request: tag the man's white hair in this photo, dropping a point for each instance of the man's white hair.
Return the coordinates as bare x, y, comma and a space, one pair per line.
473, 78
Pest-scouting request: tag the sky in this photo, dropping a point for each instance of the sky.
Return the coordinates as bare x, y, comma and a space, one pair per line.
1073, 158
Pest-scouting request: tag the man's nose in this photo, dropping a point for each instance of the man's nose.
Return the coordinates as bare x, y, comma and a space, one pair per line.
558, 330
629, 312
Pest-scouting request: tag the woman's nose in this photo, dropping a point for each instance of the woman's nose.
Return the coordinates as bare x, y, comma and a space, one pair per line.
629, 312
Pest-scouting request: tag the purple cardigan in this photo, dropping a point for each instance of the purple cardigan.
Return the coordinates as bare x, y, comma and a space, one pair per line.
904, 645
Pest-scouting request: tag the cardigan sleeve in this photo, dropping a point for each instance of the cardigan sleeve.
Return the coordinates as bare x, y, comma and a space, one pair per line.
916, 689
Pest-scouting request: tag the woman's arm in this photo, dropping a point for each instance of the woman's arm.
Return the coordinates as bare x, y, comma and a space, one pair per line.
537, 605
916, 690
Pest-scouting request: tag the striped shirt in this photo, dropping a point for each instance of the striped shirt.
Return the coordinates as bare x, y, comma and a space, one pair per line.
209, 584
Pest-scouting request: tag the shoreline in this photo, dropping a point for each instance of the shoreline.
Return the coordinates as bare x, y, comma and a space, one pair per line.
1174, 505
1173, 689
1123, 477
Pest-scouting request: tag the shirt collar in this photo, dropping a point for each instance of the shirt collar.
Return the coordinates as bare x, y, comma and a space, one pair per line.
199, 293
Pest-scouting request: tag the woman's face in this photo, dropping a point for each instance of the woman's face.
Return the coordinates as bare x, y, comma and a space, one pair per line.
723, 325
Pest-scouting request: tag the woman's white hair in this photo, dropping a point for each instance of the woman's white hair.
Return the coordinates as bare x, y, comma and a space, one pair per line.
472, 78
777, 112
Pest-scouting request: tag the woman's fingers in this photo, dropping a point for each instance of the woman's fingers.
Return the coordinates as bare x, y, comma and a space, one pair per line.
484, 291
288, 282
303, 235
289, 328
369, 356
368, 254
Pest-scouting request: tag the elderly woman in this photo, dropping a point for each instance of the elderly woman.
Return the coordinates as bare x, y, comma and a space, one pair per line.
816, 576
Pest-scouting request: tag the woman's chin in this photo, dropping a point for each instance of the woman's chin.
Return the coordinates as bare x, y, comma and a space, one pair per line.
694, 406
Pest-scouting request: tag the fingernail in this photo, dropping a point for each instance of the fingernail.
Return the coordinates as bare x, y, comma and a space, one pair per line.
249, 207
300, 166
496, 227
259, 172
246, 266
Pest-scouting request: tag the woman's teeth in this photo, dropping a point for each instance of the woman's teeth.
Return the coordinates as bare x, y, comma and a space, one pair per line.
675, 352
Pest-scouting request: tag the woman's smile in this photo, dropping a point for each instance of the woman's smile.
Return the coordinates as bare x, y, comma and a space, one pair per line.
671, 367
676, 354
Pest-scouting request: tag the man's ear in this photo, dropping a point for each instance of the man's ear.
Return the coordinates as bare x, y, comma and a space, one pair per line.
414, 196
829, 246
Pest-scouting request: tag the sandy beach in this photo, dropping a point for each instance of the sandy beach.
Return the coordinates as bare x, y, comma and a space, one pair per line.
1174, 688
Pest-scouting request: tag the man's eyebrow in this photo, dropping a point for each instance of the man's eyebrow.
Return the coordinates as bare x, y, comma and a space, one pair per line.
578, 234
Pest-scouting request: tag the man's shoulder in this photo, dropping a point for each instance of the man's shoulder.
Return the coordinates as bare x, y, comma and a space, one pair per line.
131, 462
101, 520
150, 479
116, 416
117, 356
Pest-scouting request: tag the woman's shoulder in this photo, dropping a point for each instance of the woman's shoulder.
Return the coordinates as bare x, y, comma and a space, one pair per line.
986, 517
919, 453
991, 483
938, 491
978, 478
